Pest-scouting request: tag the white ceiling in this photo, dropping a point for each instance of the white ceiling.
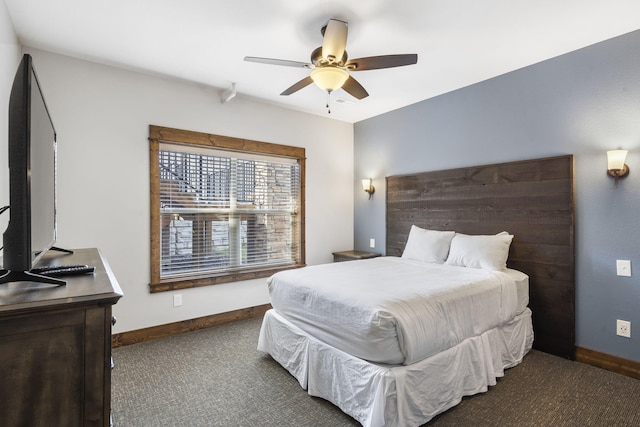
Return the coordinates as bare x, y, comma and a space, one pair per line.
458, 42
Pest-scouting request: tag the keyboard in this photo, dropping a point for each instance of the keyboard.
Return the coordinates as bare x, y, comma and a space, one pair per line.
63, 270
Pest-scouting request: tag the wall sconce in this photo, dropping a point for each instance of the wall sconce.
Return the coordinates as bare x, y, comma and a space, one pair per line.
616, 166
368, 187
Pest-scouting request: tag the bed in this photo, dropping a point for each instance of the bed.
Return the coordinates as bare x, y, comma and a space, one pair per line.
340, 332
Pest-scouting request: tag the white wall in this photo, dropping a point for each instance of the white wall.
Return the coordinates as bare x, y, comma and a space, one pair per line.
9, 59
102, 115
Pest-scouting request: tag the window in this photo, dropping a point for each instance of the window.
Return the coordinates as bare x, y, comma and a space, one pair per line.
222, 209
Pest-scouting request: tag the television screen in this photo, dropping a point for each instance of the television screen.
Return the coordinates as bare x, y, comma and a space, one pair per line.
43, 174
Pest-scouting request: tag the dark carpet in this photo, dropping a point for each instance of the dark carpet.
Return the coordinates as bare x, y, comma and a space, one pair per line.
216, 377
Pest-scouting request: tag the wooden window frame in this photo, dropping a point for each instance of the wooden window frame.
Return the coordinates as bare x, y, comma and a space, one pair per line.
158, 135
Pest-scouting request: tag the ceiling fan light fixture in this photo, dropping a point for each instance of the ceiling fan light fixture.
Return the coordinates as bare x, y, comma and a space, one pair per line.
329, 78
330, 67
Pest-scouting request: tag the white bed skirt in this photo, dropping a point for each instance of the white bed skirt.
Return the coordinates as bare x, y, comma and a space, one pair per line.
396, 395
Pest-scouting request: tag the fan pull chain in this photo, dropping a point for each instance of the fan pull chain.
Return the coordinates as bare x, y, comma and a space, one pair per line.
328, 102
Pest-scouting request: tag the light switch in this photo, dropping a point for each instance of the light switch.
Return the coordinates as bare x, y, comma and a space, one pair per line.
623, 267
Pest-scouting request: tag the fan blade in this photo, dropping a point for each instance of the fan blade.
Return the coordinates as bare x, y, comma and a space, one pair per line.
378, 62
296, 87
355, 89
334, 41
282, 62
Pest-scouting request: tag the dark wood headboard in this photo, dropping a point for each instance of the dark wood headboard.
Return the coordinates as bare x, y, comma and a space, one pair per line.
531, 199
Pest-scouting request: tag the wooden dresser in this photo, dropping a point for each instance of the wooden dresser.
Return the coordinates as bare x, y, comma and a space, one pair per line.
353, 255
55, 347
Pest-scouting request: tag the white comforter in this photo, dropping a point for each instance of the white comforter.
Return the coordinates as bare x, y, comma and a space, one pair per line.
393, 310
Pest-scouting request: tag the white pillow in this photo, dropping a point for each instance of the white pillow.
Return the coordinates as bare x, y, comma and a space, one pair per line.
427, 245
488, 252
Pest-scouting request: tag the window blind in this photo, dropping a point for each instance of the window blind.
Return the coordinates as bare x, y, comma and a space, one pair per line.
225, 212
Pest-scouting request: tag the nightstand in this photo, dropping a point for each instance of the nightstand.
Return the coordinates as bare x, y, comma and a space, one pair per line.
352, 255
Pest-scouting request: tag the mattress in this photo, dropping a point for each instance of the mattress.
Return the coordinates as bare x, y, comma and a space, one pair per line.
393, 310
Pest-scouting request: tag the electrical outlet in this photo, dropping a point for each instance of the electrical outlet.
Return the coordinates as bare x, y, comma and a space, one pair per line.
372, 243
623, 267
177, 300
623, 328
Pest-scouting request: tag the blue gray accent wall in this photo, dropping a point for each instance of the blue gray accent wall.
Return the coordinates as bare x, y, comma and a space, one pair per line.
582, 103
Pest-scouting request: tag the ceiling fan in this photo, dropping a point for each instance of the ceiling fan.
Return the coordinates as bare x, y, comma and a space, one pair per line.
330, 64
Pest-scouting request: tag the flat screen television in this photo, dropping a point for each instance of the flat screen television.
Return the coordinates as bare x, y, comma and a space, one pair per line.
31, 230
